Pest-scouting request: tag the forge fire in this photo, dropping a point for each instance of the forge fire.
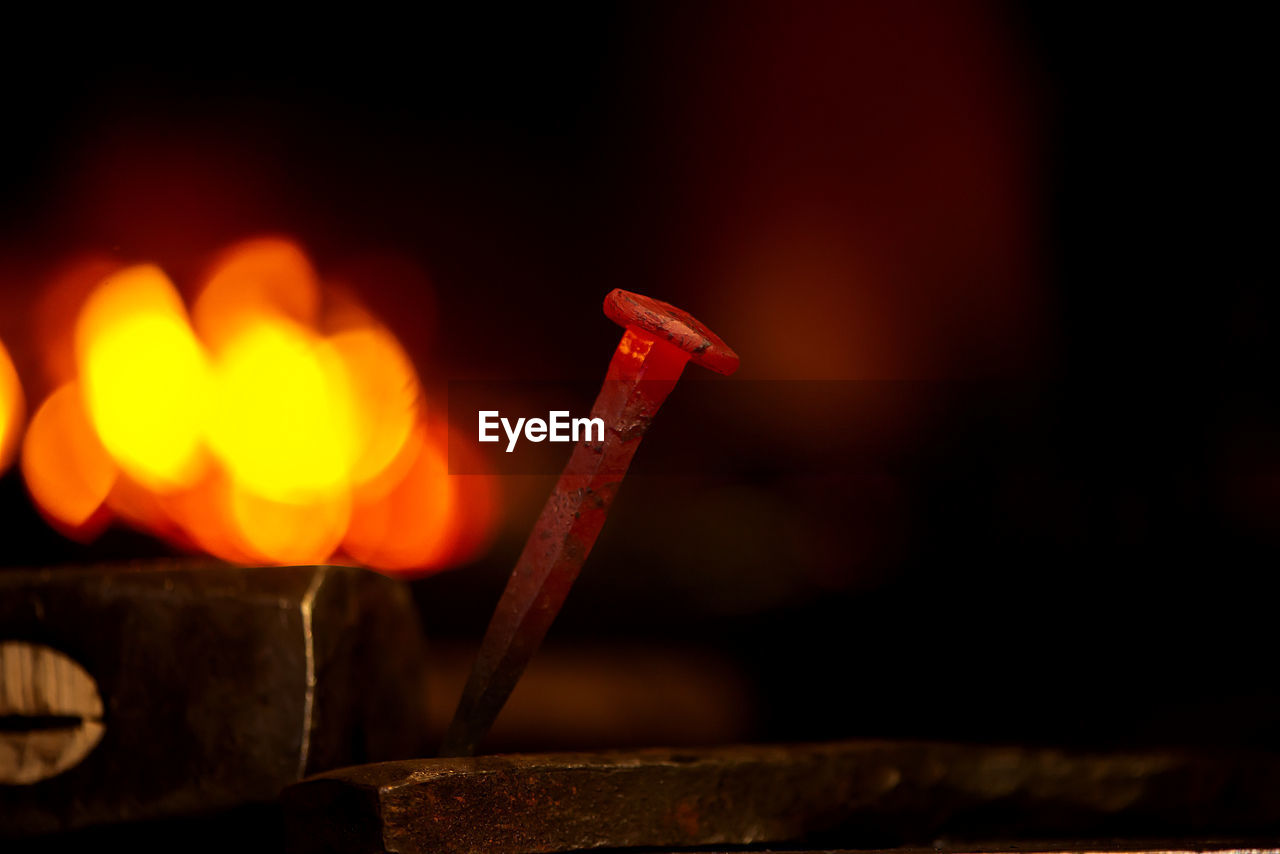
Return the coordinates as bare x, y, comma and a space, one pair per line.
270, 420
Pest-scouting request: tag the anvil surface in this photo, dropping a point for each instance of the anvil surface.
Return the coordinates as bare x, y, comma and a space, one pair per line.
172, 689
839, 795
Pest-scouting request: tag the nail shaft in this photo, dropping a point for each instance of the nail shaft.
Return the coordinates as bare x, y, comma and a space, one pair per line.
643, 371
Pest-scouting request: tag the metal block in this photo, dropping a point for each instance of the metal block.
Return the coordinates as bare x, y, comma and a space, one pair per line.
844, 794
161, 690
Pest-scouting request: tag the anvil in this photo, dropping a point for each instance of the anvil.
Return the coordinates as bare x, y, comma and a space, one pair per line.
856, 794
159, 690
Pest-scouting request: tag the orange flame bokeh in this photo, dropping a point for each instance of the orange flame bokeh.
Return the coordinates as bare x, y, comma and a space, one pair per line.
255, 426
12, 408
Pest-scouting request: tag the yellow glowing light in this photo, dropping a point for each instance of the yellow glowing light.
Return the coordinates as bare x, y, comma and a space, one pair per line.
277, 422
283, 413
145, 377
11, 408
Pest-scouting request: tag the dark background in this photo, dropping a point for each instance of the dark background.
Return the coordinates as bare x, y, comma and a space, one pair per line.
997, 274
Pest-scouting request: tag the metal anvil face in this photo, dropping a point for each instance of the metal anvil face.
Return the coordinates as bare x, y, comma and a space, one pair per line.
864, 794
172, 689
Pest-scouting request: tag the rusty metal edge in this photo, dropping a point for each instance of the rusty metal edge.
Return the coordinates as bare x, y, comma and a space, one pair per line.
873, 794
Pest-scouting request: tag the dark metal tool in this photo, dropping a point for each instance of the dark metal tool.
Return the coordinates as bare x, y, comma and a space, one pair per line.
841, 794
183, 688
659, 341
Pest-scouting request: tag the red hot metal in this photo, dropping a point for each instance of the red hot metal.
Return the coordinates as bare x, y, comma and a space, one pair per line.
659, 341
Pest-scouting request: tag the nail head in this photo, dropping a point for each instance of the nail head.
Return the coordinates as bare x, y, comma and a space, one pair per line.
668, 323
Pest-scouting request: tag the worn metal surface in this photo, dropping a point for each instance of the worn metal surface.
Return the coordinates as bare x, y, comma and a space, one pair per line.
1010, 847
218, 686
660, 340
846, 794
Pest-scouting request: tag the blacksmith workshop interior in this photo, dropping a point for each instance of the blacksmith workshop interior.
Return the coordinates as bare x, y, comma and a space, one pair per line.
328, 340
